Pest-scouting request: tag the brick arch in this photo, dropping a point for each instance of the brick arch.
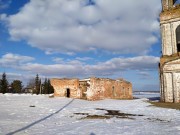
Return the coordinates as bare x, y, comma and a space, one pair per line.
178, 38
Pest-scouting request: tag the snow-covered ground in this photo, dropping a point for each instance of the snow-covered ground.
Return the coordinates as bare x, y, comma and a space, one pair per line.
149, 95
41, 115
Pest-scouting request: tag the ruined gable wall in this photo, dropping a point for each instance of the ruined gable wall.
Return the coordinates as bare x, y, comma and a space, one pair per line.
83, 86
61, 86
124, 89
96, 90
101, 88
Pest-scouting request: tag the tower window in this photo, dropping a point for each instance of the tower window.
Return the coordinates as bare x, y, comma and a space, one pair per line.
178, 38
176, 2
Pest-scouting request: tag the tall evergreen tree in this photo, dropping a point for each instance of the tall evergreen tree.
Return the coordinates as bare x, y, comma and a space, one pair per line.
47, 87
0, 86
50, 87
37, 84
4, 83
40, 87
16, 86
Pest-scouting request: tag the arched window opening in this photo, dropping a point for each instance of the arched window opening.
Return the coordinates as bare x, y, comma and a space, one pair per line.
178, 38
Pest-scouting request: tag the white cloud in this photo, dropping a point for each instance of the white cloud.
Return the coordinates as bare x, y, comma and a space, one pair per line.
4, 4
144, 75
84, 58
71, 26
3, 17
143, 66
25, 78
76, 68
14, 60
58, 60
57, 70
121, 64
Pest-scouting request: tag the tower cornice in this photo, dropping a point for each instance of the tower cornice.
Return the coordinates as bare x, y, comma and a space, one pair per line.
170, 14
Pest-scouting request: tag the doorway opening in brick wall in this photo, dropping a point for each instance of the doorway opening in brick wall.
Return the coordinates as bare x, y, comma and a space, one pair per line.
68, 93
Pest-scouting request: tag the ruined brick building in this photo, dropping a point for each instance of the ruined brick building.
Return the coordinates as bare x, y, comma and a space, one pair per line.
92, 88
170, 60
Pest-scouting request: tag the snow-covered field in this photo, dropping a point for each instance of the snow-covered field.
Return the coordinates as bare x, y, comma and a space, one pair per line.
41, 115
149, 95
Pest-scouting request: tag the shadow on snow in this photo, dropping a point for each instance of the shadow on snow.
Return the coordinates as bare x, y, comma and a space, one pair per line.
40, 120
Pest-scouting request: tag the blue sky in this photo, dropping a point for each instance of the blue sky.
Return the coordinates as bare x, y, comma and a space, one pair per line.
81, 38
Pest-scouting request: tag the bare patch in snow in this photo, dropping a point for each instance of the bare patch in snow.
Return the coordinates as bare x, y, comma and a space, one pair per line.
109, 114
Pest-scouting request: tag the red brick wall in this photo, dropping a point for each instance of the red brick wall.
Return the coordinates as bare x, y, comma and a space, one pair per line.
101, 88
61, 86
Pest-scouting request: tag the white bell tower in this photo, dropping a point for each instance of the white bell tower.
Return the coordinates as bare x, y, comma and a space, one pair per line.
169, 67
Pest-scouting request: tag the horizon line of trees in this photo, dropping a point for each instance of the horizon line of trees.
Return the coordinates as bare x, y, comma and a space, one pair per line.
34, 86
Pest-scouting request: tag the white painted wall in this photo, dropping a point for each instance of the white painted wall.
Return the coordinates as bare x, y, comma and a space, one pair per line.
168, 31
